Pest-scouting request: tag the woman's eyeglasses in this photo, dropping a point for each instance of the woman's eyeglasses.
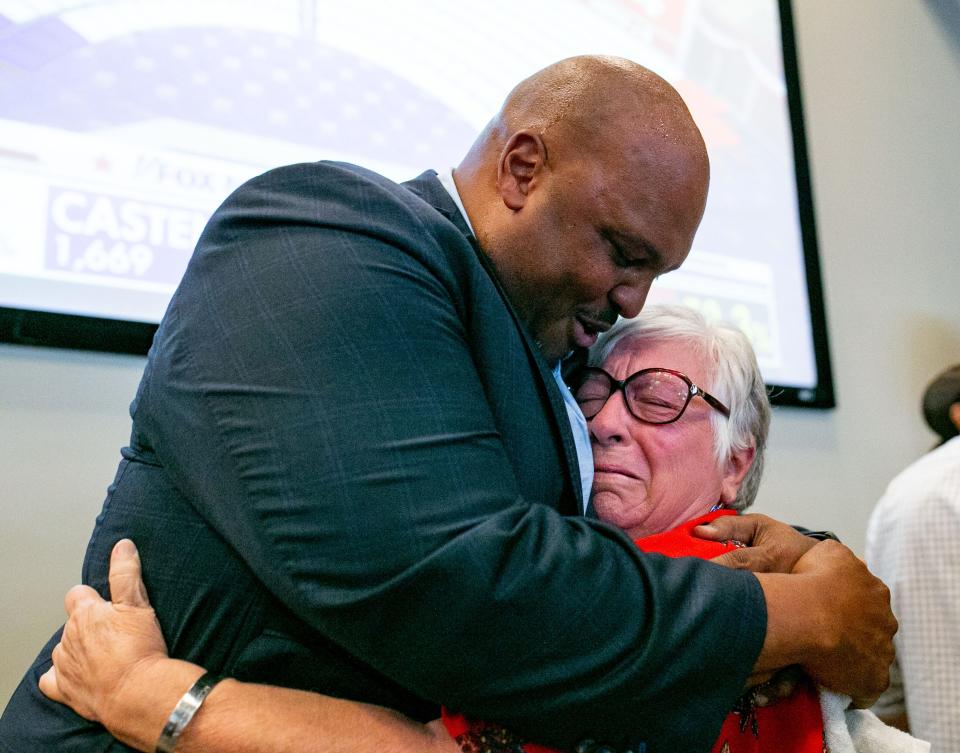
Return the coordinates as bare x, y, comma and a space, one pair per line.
654, 396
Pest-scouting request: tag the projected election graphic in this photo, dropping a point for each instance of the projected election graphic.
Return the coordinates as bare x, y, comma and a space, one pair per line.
124, 124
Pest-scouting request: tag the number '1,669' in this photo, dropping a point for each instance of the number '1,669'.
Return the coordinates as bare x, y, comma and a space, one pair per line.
98, 256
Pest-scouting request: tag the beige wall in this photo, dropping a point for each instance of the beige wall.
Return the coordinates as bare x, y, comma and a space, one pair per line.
882, 95
63, 418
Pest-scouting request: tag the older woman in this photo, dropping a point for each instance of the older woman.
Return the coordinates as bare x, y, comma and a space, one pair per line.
667, 450
678, 416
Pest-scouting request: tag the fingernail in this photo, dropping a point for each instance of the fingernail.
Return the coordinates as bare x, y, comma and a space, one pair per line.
124, 547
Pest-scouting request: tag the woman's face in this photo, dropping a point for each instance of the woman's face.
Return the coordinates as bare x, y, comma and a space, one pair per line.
650, 478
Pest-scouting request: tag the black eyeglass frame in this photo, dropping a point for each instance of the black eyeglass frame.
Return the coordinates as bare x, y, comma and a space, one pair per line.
620, 385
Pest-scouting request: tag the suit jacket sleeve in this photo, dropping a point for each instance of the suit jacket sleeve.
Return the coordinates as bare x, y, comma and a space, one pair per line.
315, 393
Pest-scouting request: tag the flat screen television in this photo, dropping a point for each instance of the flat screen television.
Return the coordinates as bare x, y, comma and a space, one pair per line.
123, 125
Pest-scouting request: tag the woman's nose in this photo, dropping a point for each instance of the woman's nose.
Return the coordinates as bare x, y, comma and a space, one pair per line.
611, 424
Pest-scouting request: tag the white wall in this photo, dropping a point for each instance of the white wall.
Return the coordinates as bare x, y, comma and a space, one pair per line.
882, 95
881, 84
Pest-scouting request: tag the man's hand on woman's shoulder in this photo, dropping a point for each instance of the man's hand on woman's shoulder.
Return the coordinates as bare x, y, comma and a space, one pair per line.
769, 546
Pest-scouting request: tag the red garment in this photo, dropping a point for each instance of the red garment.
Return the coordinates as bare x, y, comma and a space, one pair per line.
794, 725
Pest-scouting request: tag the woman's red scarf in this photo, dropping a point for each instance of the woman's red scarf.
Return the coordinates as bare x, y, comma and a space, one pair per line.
794, 725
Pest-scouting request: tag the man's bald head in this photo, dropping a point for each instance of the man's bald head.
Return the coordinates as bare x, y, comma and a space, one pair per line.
591, 100
589, 182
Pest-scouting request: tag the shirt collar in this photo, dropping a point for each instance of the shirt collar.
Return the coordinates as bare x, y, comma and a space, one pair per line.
446, 180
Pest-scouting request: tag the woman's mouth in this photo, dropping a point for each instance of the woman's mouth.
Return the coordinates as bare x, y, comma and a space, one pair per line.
617, 469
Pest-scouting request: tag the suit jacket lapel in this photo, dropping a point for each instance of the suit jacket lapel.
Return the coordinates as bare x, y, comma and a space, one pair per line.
428, 187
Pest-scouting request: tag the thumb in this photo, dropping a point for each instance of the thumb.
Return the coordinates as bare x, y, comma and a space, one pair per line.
48, 685
729, 527
126, 582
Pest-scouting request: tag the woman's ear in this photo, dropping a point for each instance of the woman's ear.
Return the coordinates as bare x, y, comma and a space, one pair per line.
521, 164
735, 469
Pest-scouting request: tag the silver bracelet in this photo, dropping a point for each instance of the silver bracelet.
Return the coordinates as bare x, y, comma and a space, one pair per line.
184, 711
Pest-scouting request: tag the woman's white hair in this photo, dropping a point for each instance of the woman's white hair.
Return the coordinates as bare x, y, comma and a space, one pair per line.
734, 377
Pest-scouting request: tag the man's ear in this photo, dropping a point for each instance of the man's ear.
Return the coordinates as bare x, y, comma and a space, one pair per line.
521, 165
734, 471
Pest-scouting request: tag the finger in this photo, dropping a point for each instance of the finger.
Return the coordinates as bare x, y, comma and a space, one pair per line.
57, 655
759, 678
740, 527
754, 559
738, 559
126, 581
48, 685
79, 596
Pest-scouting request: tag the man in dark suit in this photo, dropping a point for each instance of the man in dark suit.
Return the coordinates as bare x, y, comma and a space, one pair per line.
349, 413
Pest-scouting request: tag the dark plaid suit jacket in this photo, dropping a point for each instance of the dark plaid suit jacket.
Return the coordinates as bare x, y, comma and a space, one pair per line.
350, 471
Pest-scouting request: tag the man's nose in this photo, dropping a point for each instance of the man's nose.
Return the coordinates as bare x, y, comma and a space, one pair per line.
628, 297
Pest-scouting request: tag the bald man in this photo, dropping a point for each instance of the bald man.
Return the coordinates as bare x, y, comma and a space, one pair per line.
352, 413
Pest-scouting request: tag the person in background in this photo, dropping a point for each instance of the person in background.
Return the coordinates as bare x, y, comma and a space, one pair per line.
913, 545
678, 416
